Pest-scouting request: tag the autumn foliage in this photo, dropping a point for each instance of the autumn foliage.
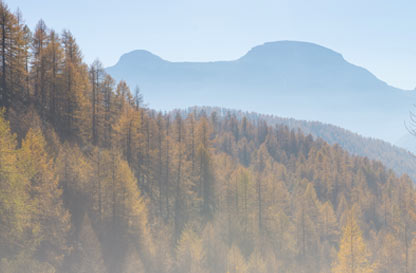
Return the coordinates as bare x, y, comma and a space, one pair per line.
91, 180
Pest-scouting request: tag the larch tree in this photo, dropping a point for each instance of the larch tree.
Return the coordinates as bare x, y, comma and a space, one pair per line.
328, 233
96, 72
328, 225
190, 253
260, 167
14, 195
235, 261
110, 113
307, 218
180, 190
256, 263
76, 114
46, 199
205, 173
7, 31
54, 60
89, 251
39, 43
389, 256
353, 255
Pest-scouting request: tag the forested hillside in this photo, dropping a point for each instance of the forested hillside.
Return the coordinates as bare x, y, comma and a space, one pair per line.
398, 159
93, 181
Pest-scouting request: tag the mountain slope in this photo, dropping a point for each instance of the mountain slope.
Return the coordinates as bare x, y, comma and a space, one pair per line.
106, 185
398, 159
286, 78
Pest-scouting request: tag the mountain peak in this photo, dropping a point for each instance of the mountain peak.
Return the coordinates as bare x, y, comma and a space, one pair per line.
289, 51
139, 56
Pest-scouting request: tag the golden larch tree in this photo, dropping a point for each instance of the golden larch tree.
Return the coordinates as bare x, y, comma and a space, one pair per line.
353, 256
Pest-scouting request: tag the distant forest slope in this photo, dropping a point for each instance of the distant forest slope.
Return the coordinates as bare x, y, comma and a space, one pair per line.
398, 159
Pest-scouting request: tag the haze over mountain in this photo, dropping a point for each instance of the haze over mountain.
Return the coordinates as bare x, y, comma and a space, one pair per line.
400, 160
286, 78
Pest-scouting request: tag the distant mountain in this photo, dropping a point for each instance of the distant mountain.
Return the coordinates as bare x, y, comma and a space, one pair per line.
287, 78
398, 159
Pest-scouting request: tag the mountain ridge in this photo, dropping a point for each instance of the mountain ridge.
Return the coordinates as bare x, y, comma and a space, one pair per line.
400, 160
298, 79
143, 55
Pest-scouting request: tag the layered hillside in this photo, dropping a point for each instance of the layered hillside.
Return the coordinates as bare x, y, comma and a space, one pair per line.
398, 159
93, 181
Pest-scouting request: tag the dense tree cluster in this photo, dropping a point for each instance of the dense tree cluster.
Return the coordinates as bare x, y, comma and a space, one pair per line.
93, 181
399, 160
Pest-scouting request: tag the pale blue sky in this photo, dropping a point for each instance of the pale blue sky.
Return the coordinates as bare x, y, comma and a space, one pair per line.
379, 35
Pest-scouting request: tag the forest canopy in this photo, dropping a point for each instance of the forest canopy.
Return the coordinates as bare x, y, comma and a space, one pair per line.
91, 180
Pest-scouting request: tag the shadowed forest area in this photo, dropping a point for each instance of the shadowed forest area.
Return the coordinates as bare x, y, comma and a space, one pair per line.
91, 180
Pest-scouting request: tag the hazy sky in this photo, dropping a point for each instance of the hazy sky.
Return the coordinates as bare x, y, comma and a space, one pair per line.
379, 35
